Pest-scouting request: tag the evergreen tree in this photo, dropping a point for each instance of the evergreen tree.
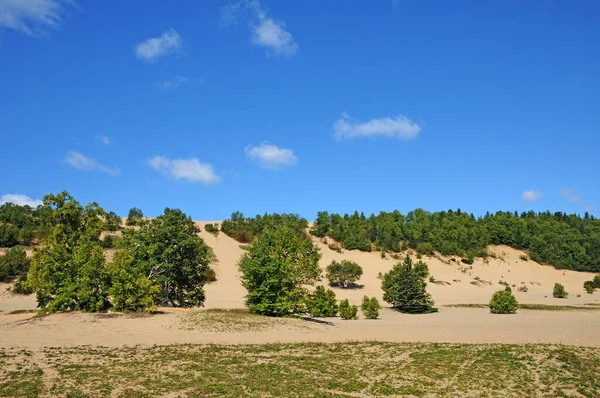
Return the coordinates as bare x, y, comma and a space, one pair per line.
404, 287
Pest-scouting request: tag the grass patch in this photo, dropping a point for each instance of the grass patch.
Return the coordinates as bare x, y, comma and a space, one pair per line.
299, 370
15, 312
237, 320
534, 307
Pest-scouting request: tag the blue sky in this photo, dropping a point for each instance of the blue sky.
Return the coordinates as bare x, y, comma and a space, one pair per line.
301, 106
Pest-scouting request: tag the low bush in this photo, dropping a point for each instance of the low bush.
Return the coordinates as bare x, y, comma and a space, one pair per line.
370, 307
523, 289
21, 287
468, 260
212, 228
211, 275
322, 303
13, 263
559, 291
335, 247
524, 257
347, 311
596, 282
503, 302
588, 286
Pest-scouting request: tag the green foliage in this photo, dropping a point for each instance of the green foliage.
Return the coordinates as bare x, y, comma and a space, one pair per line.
322, 303
169, 253
21, 286
588, 286
211, 275
370, 307
212, 228
245, 230
335, 247
564, 241
134, 216
524, 257
348, 311
131, 290
596, 282
13, 263
503, 302
107, 242
113, 221
276, 267
9, 235
468, 260
559, 291
20, 225
344, 273
404, 287
68, 269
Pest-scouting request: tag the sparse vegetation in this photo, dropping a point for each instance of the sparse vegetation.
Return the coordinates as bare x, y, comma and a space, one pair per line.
503, 302
559, 291
347, 311
523, 289
589, 287
212, 228
335, 247
524, 257
344, 273
134, 216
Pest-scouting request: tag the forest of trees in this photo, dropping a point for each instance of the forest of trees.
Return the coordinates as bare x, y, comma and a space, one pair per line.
245, 229
21, 225
566, 241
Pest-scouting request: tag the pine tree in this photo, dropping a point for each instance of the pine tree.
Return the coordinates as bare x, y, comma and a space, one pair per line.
405, 286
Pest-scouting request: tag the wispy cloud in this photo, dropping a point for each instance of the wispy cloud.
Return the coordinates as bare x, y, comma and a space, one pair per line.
271, 156
151, 49
265, 31
33, 17
399, 127
173, 83
185, 169
18, 199
531, 196
105, 140
80, 161
572, 195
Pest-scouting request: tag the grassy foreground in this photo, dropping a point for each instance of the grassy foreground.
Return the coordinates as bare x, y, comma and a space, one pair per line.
298, 370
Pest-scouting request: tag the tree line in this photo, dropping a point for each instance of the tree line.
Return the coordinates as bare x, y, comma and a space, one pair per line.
566, 241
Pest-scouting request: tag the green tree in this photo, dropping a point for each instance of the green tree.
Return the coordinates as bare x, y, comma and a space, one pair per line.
559, 291
370, 307
404, 287
134, 216
343, 273
322, 303
14, 262
596, 281
347, 311
113, 221
130, 290
503, 302
588, 286
275, 268
68, 269
169, 253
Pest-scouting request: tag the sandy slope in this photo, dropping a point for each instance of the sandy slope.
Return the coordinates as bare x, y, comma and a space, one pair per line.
450, 324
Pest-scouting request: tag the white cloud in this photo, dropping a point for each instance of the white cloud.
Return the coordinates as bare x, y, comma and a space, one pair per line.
271, 156
531, 196
32, 17
105, 140
399, 127
265, 31
572, 195
169, 42
18, 199
185, 169
174, 83
80, 161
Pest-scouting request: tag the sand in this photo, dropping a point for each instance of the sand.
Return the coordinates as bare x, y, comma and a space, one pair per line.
454, 286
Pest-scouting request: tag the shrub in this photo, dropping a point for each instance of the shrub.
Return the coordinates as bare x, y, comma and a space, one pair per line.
596, 282
503, 302
523, 289
211, 275
113, 221
370, 307
524, 257
344, 273
425, 248
589, 286
559, 291
107, 242
134, 216
335, 247
275, 269
322, 303
468, 260
14, 262
9, 235
212, 228
405, 288
21, 286
348, 311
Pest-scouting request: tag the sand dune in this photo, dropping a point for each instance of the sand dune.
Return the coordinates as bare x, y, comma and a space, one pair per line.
457, 283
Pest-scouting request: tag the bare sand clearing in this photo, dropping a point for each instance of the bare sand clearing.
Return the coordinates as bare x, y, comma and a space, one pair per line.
456, 283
